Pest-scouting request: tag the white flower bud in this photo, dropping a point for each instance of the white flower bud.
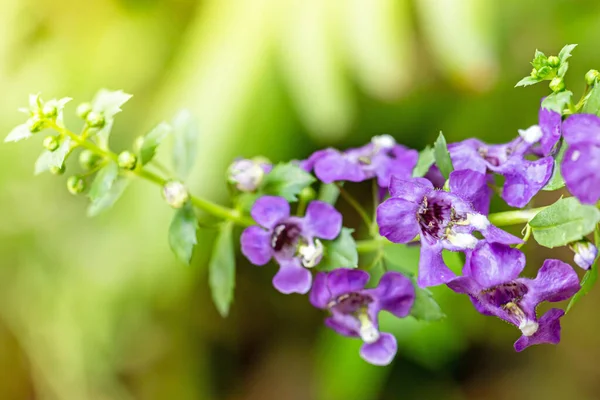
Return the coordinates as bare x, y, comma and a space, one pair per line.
383, 141
176, 194
246, 175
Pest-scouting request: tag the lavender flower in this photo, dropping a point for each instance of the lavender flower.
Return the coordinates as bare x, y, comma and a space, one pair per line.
247, 174
354, 309
524, 178
549, 124
292, 241
585, 253
379, 159
582, 159
491, 279
444, 220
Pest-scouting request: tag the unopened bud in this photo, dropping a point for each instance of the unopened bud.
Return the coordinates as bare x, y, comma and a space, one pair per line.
175, 194
534, 73
49, 110
83, 110
585, 253
543, 72
51, 143
95, 120
591, 77
557, 84
35, 124
88, 159
553, 61
127, 160
76, 184
54, 170
246, 174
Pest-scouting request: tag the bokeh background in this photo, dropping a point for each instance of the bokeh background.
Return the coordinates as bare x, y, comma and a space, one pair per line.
99, 308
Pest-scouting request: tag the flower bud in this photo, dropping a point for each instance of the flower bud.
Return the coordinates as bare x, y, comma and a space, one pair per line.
553, 61
35, 124
585, 253
127, 160
543, 72
246, 174
175, 194
307, 194
534, 73
83, 110
88, 159
54, 170
591, 77
557, 84
51, 143
76, 184
95, 120
49, 110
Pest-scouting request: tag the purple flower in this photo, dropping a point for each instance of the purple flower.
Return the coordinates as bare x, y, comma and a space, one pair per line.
581, 162
444, 220
354, 309
585, 253
491, 279
292, 241
379, 159
524, 178
549, 124
247, 174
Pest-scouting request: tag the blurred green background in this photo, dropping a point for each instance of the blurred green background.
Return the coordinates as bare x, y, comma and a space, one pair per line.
99, 308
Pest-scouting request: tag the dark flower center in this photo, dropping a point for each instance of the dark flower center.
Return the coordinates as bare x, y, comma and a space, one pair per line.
495, 158
434, 216
351, 303
285, 236
505, 294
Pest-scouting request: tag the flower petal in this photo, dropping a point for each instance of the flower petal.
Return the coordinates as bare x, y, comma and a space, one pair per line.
555, 281
395, 294
381, 352
397, 220
548, 331
345, 280
309, 163
345, 325
320, 295
464, 285
580, 168
268, 211
432, 270
412, 190
524, 179
494, 234
493, 264
322, 220
549, 122
465, 155
582, 129
256, 245
335, 166
399, 162
292, 278
472, 186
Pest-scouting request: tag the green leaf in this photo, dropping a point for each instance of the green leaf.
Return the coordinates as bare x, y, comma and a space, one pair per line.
182, 233
104, 180
528, 81
592, 102
589, 279
426, 160
221, 269
185, 133
557, 101
339, 253
556, 181
562, 70
442, 156
151, 141
565, 52
108, 198
108, 103
19, 132
50, 159
425, 307
564, 222
287, 181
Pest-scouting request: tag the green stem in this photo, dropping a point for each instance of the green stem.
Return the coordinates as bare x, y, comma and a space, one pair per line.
203, 204
356, 205
514, 217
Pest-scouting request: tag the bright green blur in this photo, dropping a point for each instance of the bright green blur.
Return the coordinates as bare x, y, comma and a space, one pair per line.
99, 309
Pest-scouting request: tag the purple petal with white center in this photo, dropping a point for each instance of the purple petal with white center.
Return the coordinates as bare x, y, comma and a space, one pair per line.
582, 129
493, 264
412, 190
345, 280
256, 245
268, 211
322, 220
395, 294
549, 122
292, 278
320, 296
381, 352
556, 281
432, 270
525, 179
548, 331
335, 166
579, 168
397, 220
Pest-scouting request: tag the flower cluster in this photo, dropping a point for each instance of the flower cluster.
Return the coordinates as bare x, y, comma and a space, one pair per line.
438, 199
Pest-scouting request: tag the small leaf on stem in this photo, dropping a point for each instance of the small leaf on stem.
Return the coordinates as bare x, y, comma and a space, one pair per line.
222, 269
182, 233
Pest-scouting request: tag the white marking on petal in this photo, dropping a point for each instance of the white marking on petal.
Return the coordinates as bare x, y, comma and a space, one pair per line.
383, 141
463, 240
529, 327
311, 253
368, 333
478, 221
575, 155
532, 134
